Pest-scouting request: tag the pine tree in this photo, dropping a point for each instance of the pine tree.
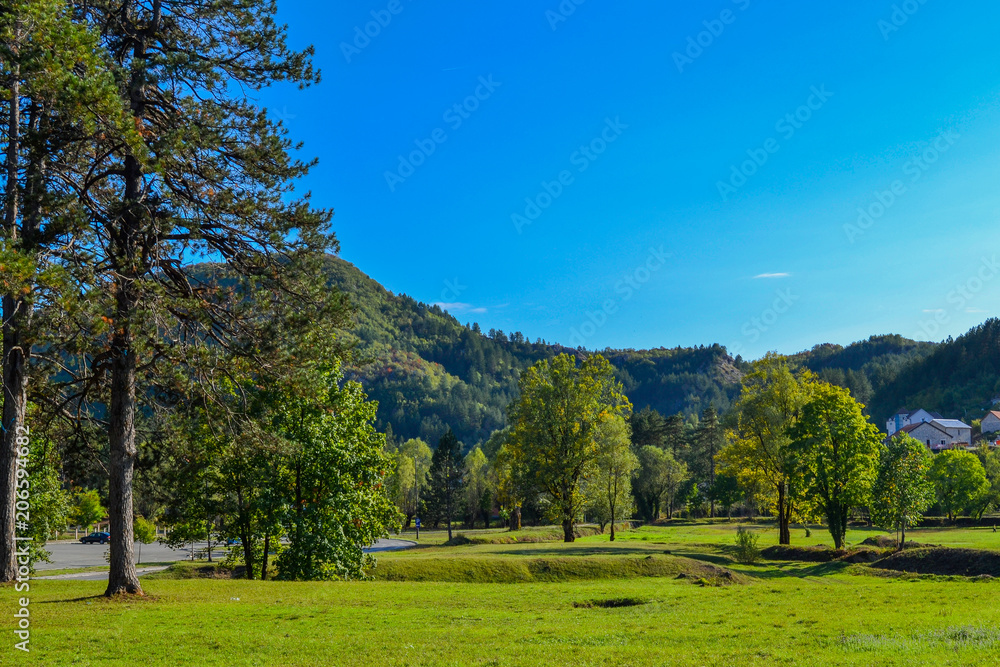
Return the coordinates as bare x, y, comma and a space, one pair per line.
446, 480
212, 180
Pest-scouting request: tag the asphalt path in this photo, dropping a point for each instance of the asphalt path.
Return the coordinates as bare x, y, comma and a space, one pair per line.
72, 554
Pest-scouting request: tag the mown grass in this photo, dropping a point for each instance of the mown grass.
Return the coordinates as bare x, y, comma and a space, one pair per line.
791, 613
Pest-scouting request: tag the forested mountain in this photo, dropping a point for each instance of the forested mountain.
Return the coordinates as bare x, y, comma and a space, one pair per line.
866, 367
959, 378
428, 371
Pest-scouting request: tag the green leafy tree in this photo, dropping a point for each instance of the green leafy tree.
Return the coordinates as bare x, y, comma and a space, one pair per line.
902, 489
726, 492
554, 426
837, 451
145, 533
658, 480
87, 508
410, 478
990, 458
959, 481
337, 501
478, 489
759, 450
610, 484
50, 504
447, 481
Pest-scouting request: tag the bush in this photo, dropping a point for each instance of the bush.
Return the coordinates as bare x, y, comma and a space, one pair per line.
747, 552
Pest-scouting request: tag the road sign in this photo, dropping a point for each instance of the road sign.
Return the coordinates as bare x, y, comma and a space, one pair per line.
418, 523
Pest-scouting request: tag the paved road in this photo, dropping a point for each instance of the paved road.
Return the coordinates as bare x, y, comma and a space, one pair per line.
66, 555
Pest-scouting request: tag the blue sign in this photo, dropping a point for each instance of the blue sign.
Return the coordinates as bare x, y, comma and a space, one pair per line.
418, 523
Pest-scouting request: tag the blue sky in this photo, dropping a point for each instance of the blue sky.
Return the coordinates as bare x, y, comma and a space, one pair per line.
651, 174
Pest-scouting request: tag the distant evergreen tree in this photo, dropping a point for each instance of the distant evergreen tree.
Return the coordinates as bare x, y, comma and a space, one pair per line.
446, 481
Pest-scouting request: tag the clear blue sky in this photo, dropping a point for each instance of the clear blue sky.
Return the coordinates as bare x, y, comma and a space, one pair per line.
904, 101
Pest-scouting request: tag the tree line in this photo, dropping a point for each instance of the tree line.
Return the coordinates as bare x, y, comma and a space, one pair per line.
793, 447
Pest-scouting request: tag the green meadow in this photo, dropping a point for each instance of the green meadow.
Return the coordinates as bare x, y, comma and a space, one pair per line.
592, 602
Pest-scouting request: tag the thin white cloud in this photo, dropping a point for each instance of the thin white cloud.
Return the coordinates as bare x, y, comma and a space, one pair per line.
459, 307
933, 310
975, 310
772, 275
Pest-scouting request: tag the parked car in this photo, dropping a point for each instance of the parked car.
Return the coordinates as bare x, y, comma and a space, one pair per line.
96, 538
234, 542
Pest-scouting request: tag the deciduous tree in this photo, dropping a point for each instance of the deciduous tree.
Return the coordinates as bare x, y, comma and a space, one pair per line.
902, 489
837, 451
610, 485
959, 481
554, 424
759, 451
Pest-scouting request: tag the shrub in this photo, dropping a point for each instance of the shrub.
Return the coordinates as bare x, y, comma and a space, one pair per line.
746, 546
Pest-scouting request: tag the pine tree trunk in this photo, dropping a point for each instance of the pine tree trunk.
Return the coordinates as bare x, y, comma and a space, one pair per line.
122, 577
515, 519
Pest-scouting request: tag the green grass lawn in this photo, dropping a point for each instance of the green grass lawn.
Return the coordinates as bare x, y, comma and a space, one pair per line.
790, 613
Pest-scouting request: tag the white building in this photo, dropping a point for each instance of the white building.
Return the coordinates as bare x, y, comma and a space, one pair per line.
907, 418
991, 422
941, 434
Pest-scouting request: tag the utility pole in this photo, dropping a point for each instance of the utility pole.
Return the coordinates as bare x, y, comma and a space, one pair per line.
416, 491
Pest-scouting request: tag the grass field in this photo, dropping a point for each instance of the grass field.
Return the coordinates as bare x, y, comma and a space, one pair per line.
788, 613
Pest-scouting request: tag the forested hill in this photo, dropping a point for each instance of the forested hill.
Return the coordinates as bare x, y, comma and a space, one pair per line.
959, 379
428, 371
867, 367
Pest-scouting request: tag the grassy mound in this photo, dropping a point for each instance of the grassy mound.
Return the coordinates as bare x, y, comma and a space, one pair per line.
819, 554
944, 561
499, 569
887, 542
526, 536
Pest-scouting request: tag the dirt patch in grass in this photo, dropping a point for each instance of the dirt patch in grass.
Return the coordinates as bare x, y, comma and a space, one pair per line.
944, 561
613, 603
499, 569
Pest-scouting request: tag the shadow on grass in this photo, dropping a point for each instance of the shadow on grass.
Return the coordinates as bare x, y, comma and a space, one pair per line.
798, 570
716, 559
611, 550
83, 599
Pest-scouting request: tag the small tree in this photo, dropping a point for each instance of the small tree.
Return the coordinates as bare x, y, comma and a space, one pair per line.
611, 480
87, 509
746, 546
145, 533
959, 480
902, 490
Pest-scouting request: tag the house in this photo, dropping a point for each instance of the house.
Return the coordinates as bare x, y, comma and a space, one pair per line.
941, 434
991, 422
906, 418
